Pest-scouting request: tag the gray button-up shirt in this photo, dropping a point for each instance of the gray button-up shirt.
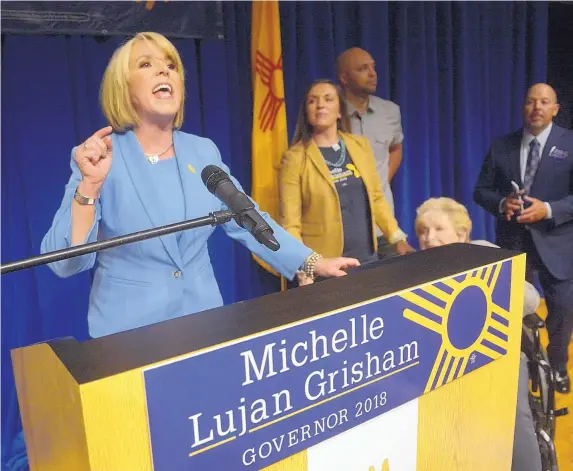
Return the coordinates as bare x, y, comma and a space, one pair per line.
381, 124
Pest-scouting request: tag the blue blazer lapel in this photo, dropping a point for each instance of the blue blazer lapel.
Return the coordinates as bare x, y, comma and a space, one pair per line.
190, 168
141, 173
545, 170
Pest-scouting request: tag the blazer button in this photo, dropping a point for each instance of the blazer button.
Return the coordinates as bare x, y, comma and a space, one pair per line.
177, 273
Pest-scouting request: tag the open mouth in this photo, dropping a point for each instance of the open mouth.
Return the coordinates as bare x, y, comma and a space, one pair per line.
163, 90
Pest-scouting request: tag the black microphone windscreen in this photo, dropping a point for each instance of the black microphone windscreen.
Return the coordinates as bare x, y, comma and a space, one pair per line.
212, 176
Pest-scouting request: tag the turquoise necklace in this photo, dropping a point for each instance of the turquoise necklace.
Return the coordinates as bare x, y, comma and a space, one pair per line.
342, 158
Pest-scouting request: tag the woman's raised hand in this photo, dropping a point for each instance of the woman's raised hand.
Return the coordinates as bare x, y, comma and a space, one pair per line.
94, 157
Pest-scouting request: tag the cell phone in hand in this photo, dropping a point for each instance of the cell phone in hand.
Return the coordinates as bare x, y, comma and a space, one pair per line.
516, 194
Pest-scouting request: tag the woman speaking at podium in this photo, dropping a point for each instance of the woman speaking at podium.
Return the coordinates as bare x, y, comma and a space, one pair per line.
139, 172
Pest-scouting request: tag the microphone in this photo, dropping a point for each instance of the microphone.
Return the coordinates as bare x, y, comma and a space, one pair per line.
246, 216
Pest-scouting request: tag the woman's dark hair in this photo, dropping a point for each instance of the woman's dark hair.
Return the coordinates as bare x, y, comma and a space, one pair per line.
303, 130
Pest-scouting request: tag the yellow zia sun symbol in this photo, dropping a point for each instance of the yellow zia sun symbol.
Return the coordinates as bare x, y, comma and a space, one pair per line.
467, 320
385, 466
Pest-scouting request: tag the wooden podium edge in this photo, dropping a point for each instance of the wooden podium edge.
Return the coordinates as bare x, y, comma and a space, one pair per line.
50, 406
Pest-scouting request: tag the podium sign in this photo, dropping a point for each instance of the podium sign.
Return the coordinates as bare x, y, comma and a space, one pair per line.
258, 400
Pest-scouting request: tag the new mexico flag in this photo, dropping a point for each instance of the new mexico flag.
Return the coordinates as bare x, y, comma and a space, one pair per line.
269, 135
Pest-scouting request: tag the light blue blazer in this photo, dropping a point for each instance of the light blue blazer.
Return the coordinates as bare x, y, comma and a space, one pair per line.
154, 280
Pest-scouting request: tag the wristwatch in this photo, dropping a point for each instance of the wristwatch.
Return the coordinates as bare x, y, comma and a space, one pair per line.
84, 200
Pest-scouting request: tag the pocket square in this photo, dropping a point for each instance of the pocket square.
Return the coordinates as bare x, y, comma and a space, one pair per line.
558, 153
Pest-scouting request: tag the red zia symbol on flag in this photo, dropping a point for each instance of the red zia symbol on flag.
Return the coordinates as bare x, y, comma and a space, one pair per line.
273, 102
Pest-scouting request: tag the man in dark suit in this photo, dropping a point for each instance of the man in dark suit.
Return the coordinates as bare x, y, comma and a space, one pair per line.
538, 217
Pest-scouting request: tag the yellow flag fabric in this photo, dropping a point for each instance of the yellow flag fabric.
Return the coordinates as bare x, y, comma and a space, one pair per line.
269, 135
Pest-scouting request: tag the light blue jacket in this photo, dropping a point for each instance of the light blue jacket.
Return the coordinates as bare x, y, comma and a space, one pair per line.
151, 281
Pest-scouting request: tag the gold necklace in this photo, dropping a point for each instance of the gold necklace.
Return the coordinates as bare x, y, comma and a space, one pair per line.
154, 158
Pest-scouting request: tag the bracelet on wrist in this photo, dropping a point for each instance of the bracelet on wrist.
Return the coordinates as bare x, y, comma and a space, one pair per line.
310, 263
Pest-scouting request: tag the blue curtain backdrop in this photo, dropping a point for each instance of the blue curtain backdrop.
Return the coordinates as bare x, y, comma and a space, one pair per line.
458, 70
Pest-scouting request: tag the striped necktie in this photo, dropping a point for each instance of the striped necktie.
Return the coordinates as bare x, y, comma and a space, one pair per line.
533, 160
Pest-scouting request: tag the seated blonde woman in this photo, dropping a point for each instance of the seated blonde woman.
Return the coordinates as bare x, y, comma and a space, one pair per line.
442, 221
331, 198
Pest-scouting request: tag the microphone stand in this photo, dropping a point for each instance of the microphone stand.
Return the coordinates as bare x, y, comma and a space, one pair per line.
214, 219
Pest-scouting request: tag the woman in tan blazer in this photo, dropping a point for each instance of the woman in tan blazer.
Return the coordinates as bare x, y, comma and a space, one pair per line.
330, 193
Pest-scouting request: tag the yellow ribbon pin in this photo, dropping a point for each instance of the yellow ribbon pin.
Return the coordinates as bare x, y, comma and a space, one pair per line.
190, 167
353, 169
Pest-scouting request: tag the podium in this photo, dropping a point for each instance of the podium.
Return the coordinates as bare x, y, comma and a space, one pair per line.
408, 366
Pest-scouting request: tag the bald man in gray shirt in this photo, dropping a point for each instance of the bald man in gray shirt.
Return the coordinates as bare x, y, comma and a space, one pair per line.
377, 119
